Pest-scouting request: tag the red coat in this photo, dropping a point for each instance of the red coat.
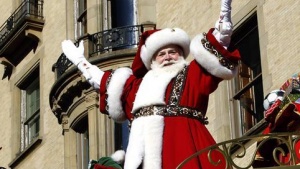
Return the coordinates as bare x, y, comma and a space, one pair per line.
182, 136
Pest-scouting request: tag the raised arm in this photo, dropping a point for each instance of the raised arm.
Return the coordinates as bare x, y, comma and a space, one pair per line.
210, 49
223, 26
75, 54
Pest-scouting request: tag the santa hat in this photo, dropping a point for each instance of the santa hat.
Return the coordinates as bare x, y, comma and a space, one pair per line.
151, 41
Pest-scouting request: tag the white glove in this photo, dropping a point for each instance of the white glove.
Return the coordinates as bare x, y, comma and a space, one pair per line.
91, 73
225, 13
223, 26
73, 53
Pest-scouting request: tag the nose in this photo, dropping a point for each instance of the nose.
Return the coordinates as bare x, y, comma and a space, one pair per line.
167, 57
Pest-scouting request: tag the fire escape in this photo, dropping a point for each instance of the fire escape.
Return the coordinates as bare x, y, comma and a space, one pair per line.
23, 30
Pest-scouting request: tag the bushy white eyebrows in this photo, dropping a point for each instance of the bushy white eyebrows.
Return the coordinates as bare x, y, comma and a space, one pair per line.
171, 50
176, 48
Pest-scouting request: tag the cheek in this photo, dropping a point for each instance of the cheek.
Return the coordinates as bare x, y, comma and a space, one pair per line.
175, 57
159, 59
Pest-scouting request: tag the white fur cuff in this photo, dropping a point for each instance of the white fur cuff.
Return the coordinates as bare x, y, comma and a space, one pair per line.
114, 92
209, 61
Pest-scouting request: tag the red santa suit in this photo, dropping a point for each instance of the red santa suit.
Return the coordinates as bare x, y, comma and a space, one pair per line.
167, 110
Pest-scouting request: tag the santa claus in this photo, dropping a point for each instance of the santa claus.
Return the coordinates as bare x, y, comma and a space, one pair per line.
165, 97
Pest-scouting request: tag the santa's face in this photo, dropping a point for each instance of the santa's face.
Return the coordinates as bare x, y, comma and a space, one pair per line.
167, 55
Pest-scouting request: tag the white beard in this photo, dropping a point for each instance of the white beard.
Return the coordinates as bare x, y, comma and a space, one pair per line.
155, 82
174, 68
148, 131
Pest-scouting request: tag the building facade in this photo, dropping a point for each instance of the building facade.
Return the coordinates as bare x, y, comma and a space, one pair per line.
50, 115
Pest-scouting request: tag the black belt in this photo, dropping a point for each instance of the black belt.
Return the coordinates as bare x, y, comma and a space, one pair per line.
169, 111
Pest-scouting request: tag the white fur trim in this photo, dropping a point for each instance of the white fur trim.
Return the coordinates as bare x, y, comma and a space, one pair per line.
136, 145
154, 128
91, 73
118, 156
209, 61
159, 39
154, 84
114, 92
145, 143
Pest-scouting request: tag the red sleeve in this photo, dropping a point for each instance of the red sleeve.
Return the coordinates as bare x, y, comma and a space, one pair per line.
103, 94
233, 56
213, 57
129, 93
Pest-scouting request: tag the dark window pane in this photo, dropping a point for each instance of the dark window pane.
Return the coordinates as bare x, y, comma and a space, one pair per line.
248, 83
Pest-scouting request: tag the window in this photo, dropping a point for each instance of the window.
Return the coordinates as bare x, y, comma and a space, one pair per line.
30, 7
30, 109
248, 88
121, 135
33, 6
82, 149
82, 143
81, 16
122, 13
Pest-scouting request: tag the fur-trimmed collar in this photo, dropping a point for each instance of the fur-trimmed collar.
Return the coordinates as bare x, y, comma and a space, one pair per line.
154, 84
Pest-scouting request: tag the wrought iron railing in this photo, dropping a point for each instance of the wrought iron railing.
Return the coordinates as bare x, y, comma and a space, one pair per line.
26, 9
237, 155
117, 38
108, 40
61, 65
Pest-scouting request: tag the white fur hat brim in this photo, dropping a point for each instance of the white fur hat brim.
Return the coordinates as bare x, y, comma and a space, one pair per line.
164, 37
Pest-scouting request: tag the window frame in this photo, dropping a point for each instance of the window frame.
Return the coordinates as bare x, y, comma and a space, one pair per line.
19, 83
80, 126
82, 145
27, 138
81, 18
254, 84
32, 116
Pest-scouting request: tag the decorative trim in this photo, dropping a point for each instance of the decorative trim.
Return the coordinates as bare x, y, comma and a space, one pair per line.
178, 87
171, 111
92, 100
173, 108
223, 60
209, 61
287, 146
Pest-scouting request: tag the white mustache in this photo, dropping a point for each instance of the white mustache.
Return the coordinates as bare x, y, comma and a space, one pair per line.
162, 65
166, 62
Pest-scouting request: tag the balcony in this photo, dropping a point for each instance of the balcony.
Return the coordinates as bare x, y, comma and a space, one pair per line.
106, 41
272, 143
21, 30
243, 153
106, 48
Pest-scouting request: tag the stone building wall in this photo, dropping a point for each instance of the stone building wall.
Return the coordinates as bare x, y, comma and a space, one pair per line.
278, 22
49, 154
